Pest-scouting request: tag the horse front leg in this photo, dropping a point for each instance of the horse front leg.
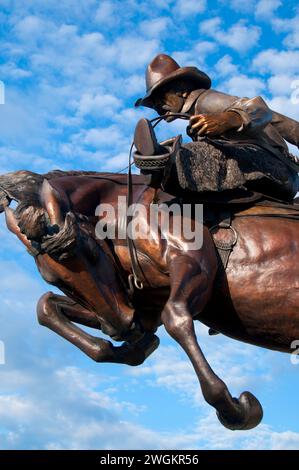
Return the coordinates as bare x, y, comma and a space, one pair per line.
132, 354
191, 283
58, 313
66, 258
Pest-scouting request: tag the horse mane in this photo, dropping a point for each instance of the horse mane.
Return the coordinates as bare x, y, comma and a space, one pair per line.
118, 178
59, 173
23, 185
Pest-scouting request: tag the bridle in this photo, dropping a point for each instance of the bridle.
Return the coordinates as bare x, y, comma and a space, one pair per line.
137, 277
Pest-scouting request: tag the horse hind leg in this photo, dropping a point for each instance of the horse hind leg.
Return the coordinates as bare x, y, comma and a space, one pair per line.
189, 289
59, 312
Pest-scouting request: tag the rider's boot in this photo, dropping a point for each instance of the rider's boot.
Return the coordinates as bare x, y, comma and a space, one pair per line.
151, 157
145, 139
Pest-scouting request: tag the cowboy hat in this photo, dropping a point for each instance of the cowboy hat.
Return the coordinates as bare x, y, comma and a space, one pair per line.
164, 69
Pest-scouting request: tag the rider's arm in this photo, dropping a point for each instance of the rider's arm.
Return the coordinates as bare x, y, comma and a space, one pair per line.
254, 113
287, 127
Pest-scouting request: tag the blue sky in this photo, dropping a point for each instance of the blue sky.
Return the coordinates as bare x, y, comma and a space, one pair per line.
72, 72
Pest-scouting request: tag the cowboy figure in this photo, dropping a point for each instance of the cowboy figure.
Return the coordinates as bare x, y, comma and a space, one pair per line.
237, 142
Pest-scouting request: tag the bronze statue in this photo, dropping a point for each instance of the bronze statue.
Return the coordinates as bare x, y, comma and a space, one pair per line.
255, 300
237, 142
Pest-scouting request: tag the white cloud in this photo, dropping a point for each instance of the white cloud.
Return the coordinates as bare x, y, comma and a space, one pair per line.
12, 71
63, 10
12, 159
101, 137
134, 84
197, 55
16, 407
73, 414
98, 104
291, 27
264, 437
169, 370
240, 5
106, 14
82, 56
276, 61
133, 53
242, 85
163, 3
20, 117
116, 162
31, 28
280, 84
239, 36
154, 28
189, 7
266, 8
225, 67
130, 116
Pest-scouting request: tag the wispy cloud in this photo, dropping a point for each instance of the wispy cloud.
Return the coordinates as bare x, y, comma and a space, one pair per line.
239, 36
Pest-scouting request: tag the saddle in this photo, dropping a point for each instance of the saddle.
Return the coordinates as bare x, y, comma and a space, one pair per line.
220, 211
221, 218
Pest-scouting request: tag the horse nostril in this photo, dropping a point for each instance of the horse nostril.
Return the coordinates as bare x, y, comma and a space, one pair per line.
52, 229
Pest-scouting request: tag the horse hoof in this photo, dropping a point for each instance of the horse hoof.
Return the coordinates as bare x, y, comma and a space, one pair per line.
251, 410
149, 343
135, 354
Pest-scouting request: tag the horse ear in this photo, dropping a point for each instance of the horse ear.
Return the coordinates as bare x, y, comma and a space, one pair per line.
138, 103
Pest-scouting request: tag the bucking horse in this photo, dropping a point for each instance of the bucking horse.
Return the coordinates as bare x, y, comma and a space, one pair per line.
255, 299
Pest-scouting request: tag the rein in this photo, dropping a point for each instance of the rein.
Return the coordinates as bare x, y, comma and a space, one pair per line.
137, 278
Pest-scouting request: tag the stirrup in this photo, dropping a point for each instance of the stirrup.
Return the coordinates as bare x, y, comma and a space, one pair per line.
151, 156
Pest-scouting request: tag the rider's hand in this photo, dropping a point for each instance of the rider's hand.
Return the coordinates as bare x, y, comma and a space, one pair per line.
214, 124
